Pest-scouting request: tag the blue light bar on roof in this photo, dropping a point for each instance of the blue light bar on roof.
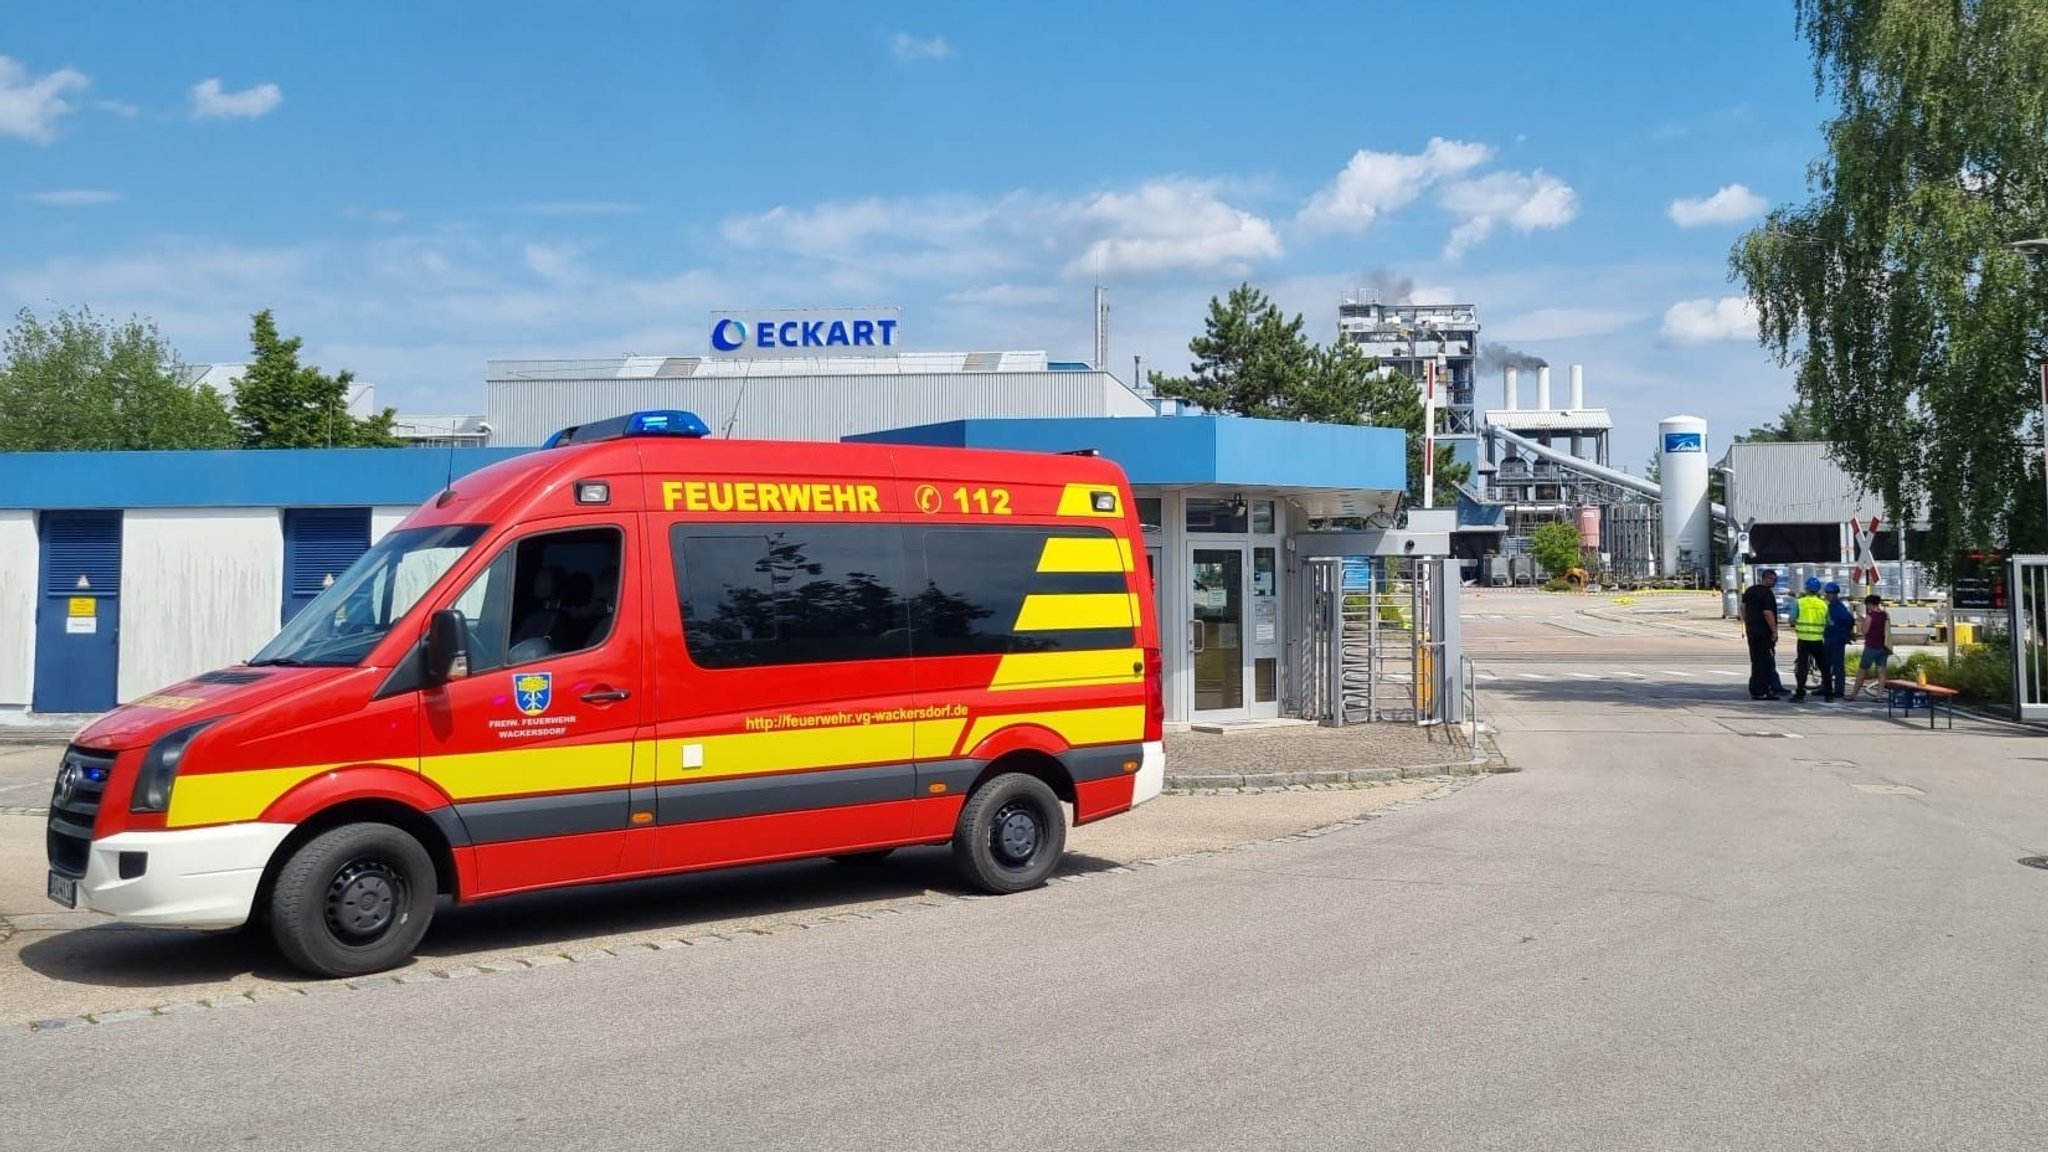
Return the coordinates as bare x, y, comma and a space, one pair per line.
655, 423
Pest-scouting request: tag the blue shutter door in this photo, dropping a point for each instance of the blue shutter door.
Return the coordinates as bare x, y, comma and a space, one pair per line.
319, 545
78, 614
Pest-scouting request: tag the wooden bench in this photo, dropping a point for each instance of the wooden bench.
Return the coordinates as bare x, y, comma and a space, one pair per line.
1906, 695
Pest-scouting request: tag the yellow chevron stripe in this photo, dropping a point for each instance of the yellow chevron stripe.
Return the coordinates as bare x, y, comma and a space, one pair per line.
1085, 554
1079, 500
1069, 669
1071, 611
1079, 727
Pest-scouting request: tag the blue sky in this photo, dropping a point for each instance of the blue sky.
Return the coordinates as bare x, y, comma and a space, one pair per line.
416, 193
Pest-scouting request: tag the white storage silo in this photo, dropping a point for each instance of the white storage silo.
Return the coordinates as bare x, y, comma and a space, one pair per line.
1682, 474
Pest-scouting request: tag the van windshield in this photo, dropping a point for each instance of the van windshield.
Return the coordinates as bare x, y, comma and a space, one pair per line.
342, 624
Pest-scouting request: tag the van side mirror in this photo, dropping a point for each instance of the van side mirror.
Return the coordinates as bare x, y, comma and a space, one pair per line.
447, 647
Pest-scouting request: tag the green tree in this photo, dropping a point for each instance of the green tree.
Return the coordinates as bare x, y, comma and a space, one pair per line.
279, 404
1556, 546
84, 383
1251, 360
1913, 329
1796, 424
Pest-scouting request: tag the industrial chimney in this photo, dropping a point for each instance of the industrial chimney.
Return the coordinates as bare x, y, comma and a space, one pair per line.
1543, 388
1578, 387
1101, 328
1510, 391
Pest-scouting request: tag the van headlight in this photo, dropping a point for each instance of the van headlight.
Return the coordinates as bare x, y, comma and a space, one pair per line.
160, 768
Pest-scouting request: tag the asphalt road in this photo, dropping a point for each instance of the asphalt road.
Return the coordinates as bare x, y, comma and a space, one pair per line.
1689, 921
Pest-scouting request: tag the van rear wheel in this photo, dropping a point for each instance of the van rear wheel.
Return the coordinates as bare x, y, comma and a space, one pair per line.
353, 900
1010, 835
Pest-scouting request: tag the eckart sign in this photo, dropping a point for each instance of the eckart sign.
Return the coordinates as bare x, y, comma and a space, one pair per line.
806, 332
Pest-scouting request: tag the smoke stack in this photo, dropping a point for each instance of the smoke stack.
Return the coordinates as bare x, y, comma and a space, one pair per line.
1101, 328
1543, 388
1578, 387
1510, 390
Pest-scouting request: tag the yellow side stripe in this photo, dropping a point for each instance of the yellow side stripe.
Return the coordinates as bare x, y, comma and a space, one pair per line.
514, 772
1071, 611
795, 750
1079, 727
1069, 669
228, 797
1085, 554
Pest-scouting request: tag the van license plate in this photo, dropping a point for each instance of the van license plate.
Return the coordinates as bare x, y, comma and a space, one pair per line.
64, 890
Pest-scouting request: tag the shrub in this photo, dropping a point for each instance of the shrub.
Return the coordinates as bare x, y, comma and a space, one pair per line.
1936, 665
1982, 673
1558, 586
1556, 546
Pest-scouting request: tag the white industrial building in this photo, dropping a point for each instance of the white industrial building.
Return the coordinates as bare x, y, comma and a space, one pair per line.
798, 398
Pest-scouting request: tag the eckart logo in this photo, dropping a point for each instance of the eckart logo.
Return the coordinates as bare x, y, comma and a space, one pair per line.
729, 335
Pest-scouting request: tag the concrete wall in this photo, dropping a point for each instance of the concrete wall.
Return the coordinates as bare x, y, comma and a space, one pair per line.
19, 562
200, 588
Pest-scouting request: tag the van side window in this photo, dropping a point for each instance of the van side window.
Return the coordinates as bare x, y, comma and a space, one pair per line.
544, 596
761, 595
976, 583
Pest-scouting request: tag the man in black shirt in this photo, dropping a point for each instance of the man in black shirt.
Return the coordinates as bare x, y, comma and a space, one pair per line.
1760, 626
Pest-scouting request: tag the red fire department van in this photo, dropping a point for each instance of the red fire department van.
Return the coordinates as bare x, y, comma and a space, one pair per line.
639, 651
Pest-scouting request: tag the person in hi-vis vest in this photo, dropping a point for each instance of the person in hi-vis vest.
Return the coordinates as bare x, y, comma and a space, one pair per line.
1810, 624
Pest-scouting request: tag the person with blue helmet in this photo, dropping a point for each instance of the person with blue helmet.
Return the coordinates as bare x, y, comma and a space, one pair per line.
1841, 626
1810, 626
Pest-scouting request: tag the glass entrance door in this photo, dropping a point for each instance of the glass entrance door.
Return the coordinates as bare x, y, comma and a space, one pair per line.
1216, 629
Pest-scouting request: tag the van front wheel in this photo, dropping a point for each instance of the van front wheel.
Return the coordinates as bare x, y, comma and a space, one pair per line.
353, 900
1010, 835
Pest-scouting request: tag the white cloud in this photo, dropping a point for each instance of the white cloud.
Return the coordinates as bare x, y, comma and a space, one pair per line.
121, 108
1731, 205
31, 106
1009, 295
1375, 183
1161, 226
1172, 226
1524, 201
211, 102
557, 262
909, 48
71, 197
1707, 320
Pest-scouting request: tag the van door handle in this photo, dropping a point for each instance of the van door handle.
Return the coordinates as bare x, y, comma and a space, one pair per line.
606, 696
